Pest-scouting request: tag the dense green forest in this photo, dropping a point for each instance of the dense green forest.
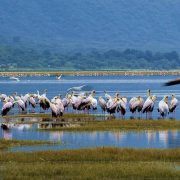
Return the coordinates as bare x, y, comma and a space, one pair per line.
27, 58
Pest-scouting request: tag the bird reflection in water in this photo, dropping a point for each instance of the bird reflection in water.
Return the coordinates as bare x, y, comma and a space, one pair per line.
119, 135
163, 137
55, 136
151, 136
7, 134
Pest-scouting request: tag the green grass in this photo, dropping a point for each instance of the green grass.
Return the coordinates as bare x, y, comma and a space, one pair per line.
107, 125
4, 144
100, 163
48, 115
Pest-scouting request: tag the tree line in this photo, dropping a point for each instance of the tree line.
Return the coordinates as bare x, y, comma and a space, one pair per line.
28, 58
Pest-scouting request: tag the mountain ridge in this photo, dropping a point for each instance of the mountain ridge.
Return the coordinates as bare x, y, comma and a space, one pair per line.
101, 24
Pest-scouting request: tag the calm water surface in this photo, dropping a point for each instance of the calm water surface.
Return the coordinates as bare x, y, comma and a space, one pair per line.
128, 86
76, 140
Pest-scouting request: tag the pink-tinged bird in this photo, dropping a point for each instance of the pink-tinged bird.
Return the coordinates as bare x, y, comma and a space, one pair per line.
32, 101
6, 108
163, 108
149, 106
136, 104
122, 105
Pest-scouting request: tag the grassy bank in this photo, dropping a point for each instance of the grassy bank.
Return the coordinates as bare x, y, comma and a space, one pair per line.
107, 125
4, 144
85, 122
41, 117
100, 163
91, 73
48, 115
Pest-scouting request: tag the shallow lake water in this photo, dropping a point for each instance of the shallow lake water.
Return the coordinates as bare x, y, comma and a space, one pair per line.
128, 86
76, 140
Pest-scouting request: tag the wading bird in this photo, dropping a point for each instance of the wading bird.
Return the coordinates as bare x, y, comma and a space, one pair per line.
20, 102
59, 77
112, 104
43, 101
25, 99
122, 103
163, 108
59, 105
136, 104
173, 104
78, 88
3, 96
32, 102
102, 104
6, 108
14, 78
148, 106
66, 101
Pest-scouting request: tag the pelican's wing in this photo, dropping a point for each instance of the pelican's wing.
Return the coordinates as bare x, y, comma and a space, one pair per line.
134, 104
102, 102
147, 103
173, 82
174, 102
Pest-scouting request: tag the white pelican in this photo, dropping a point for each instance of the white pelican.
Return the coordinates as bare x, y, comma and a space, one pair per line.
136, 104
25, 99
59, 77
20, 102
59, 106
163, 108
112, 104
102, 104
148, 106
173, 104
2, 96
32, 101
15, 78
54, 109
122, 103
6, 108
76, 101
78, 88
43, 100
88, 102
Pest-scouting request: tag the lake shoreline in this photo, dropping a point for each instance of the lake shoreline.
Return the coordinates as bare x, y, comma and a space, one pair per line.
90, 73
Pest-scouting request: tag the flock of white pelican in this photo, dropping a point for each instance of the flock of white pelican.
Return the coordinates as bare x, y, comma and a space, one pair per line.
82, 102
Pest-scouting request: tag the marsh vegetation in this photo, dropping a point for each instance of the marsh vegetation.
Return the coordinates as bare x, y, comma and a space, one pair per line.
105, 163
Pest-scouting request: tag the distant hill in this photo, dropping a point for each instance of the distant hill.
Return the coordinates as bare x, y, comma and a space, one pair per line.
65, 25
